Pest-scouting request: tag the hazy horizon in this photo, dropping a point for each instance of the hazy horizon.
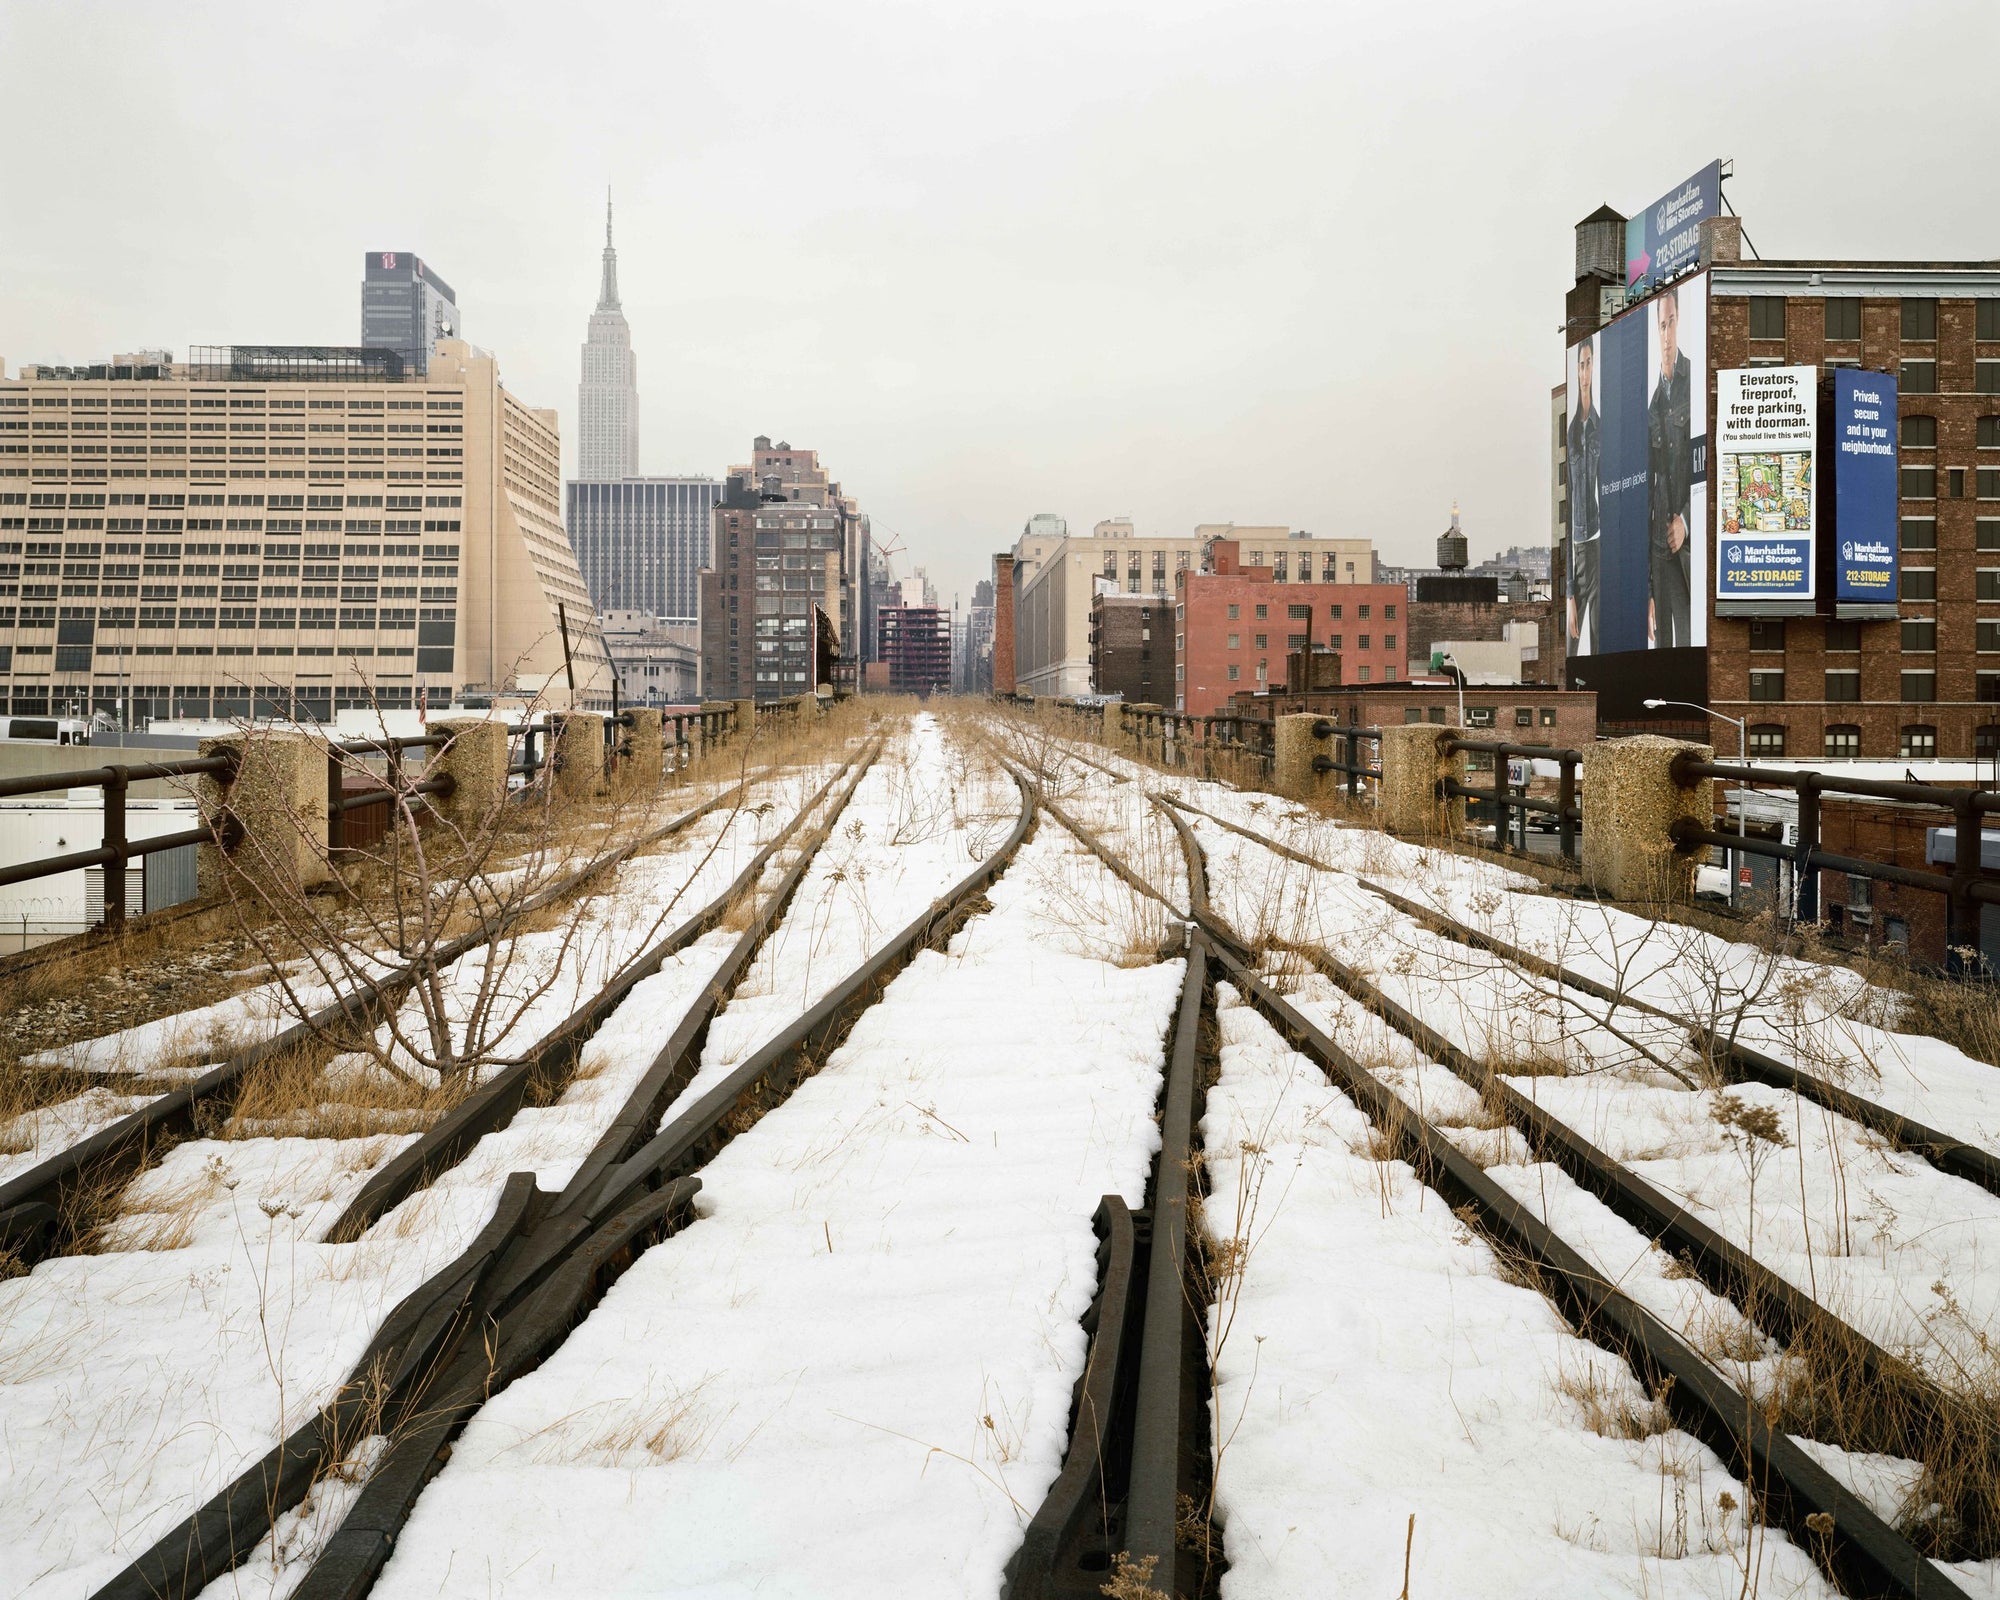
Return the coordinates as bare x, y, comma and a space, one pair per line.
1192, 263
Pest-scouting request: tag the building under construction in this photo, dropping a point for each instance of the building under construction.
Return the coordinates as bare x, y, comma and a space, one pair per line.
914, 644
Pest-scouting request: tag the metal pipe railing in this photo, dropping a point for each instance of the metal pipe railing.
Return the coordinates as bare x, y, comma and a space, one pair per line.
1511, 801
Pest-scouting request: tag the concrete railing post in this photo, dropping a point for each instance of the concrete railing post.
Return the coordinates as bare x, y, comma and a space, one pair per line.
1292, 750
578, 755
642, 770
746, 719
1630, 804
1412, 767
476, 762
278, 801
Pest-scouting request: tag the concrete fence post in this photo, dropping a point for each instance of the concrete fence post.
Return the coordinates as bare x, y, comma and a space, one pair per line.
278, 800
578, 753
746, 718
642, 770
1292, 750
1412, 767
476, 762
1630, 804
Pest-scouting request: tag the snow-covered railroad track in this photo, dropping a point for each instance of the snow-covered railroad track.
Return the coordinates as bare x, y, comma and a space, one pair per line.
1731, 1058
1847, 1537
40, 1214
548, 1252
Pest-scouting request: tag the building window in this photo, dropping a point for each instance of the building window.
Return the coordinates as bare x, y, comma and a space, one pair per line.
1989, 433
1263, 641
1548, 716
1843, 741
1920, 583
1843, 319
1988, 483
1987, 580
1767, 686
1263, 612
1986, 377
1361, 612
1263, 671
1919, 688
1767, 316
1360, 674
1918, 377
1986, 533
1986, 740
1987, 323
1957, 477
1843, 688
1236, 641
1361, 643
1767, 633
1388, 641
1299, 613
1413, 713
1920, 432
1235, 612
1986, 687
1842, 637
1919, 635
1235, 672
1989, 637
1389, 612
1918, 483
1295, 641
1918, 740
1333, 641
1335, 611
1524, 716
1919, 319
1767, 739
1919, 533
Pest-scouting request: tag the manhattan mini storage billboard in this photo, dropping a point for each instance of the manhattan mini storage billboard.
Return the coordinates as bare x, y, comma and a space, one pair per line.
1664, 240
1863, 529
1766, 471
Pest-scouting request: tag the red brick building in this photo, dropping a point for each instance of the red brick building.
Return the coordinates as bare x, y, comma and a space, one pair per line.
1234, 624
1003, 624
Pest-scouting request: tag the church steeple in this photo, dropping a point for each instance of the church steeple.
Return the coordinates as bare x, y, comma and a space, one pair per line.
607, 293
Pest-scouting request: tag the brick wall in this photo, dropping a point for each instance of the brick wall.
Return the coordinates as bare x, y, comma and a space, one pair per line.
1003, 624
1432, 620
1343, 615
1132, 648
1802, 711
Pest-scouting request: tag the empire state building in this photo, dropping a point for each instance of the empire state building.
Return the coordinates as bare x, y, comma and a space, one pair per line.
608, 398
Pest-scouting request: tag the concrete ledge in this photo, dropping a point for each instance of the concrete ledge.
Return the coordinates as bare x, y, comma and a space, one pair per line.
1630, 804
1412, 768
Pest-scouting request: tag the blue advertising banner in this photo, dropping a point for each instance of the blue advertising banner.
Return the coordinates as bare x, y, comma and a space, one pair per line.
1664, 240
1864, 485
1766, 434
1638, 478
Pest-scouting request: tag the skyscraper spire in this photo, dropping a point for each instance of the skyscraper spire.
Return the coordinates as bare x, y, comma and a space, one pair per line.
608, 398
607, 293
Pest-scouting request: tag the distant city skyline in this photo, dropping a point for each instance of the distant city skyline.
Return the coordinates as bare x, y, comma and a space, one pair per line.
1197, 263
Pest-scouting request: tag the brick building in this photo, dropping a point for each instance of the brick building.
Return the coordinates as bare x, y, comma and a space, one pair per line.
1234, 624
1132, 647
914, 644
1470, 607
787, 543
1911, 680
1521, 714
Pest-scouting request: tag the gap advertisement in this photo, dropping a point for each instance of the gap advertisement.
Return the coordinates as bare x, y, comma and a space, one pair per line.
1766, 435
1638, 478
1864, 486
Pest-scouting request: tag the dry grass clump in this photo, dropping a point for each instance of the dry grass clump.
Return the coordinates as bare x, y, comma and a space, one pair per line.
316, 1091
1610, 1404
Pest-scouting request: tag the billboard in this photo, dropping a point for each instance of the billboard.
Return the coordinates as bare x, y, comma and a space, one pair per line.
1664, 240
1638, 478
1766, 503
1864, 487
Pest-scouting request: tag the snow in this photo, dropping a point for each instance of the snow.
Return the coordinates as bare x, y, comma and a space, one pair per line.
852, 1375
136, 1382
1370, 1333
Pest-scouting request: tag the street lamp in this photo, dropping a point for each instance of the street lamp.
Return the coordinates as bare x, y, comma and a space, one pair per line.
1741, 756
1458, 678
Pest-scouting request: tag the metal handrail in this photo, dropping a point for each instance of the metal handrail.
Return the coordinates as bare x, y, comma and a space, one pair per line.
1507, 800
1965, 888
1352, 766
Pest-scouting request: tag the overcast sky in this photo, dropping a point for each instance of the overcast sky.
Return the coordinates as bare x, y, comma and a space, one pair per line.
1185, 262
